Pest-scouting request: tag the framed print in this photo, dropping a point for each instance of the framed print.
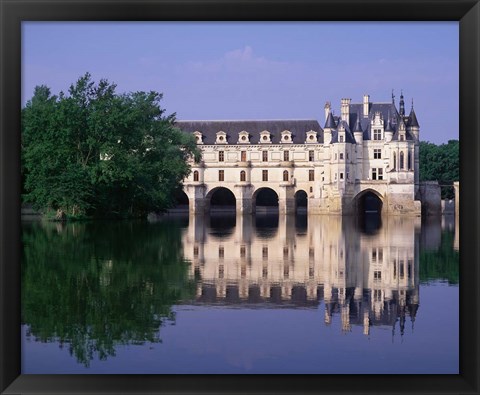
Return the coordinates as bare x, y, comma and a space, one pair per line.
219, 216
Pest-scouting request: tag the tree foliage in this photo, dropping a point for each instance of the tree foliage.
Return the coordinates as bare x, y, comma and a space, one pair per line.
93, 286
95, 152
440, 163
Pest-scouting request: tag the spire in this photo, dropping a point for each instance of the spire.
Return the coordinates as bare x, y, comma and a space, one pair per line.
389, 127
402, 104
412, 118
358, 126
393, 98
330, 122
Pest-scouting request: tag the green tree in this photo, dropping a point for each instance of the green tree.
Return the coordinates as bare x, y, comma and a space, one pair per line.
440, 163
95, 152
93, 286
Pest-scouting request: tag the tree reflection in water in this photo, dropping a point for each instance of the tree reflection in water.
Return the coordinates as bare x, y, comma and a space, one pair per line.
95, 286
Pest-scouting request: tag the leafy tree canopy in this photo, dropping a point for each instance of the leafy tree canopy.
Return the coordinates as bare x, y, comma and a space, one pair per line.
95, 152
440, 163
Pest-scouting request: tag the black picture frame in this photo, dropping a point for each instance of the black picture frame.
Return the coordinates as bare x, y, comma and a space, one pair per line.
13, 12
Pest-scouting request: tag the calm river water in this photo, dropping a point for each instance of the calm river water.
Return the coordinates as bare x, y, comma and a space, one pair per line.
226, 294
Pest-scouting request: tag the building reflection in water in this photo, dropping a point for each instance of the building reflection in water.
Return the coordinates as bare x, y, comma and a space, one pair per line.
367, 277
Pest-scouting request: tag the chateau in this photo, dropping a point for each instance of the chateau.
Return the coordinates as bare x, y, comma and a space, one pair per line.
366, 159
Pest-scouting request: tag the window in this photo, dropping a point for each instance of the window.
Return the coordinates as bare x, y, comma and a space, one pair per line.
285, 252
195, 251
402, 160
265, 271
374, 174
285, 175
402, 137
311, 189
264, 252
347, 155
264, 175
341, 139
221, 271
380, 174
195, 175
221, 252
377, 275
335, 156
394, 161
335, 176
243, 155
311, 175
221, 175
286, 271
265, 156
347, 175
402, 270
377, 154
242, 251
221, 156
242, 176
286, 156
341, 176
311, 155
409, 156
377, 134
341, 156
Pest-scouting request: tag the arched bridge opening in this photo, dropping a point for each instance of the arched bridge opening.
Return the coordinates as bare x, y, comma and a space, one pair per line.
301, 202
369, 205
180, 201
265, 201
221, 199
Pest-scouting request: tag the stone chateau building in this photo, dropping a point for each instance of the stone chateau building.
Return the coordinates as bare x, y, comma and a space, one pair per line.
366, 159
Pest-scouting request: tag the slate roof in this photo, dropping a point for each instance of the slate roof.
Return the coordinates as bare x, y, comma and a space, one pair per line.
388, 111
348, 133
209, 129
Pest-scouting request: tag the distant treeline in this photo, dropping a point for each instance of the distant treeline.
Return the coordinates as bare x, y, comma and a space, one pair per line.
440, 163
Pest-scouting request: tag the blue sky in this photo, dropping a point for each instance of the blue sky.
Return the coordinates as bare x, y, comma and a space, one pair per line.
257, 70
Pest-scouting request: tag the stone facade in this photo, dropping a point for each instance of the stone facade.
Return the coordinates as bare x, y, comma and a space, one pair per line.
371, 149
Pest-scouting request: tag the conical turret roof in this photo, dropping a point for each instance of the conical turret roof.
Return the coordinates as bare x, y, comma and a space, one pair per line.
358, 126
330, 122
412, 119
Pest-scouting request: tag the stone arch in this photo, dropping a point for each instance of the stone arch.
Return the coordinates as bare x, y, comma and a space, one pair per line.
265, 198
221, 198
181, 200
368, 201
301, 201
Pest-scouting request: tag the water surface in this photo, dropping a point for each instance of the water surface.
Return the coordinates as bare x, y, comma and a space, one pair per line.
241, 294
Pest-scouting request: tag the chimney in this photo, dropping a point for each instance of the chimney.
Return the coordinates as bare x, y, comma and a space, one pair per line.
366, 105
328, 107
345, 109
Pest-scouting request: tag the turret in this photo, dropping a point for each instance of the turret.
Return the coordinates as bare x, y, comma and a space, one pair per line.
357, 131
327, 129
412, 125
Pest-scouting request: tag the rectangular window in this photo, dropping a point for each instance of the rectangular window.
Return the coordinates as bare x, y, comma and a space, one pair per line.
335, 156
335, 176
341, 139
286, 156
265, 156
311, 156
341, 155
221, 252
221, 175
347, 176
377, 275
347, 155
264, 175
221, 156
242, 251
377, 134
243, 156
380, 174
264, 252
341, 176
221, 271
377, 154
311, 175
265, 271
374, 174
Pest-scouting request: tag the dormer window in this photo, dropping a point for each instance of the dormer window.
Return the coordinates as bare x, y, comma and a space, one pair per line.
311, 137
198, 137
265, 137
286, 137
243, 137
221, 138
